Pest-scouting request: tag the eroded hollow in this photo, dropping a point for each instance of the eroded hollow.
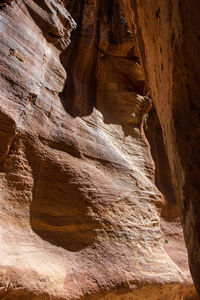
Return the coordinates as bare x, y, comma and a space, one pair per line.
60, 205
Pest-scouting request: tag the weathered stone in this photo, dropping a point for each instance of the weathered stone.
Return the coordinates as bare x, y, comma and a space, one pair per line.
80, 213
168, 38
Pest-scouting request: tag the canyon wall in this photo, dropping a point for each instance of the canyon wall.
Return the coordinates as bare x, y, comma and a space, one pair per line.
169, 42
80, 211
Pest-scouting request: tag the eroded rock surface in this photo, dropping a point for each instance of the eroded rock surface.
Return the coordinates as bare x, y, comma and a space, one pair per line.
80, 213
168, 38
170, 215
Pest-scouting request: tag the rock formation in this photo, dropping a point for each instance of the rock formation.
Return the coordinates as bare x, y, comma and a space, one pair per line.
80, 212
170, 215
168, 38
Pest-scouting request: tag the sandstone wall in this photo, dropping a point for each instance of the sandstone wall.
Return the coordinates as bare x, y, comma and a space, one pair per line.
168, 38
80, 213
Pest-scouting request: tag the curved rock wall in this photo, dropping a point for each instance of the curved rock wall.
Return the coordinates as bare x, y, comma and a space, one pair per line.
80, 213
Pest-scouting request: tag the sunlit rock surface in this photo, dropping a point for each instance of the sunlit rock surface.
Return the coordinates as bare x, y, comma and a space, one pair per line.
80, 213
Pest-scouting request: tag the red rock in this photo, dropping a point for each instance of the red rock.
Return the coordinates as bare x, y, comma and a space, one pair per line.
80, 213
167, 35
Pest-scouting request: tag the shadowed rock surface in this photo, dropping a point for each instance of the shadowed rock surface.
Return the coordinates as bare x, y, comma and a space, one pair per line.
170, 215
168, 38
80, 212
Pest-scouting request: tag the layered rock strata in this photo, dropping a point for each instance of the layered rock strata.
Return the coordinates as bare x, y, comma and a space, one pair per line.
80, 213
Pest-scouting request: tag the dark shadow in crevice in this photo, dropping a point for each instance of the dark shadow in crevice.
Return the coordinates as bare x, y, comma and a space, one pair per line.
73, 100
163, 181
79, 96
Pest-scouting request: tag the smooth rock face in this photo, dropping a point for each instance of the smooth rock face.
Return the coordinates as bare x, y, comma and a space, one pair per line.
168, 38
80, 213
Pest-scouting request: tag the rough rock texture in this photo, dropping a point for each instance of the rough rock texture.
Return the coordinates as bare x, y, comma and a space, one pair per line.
168, 38
80, 213
170, 215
